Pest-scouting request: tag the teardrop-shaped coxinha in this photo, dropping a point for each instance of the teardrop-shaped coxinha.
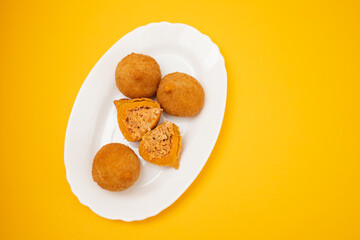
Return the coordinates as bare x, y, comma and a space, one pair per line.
162, 145
137, 116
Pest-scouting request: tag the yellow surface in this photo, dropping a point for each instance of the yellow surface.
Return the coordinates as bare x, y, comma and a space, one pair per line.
287, 161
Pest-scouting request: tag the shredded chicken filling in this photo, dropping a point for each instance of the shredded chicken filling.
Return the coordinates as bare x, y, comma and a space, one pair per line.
140, 119
158, 143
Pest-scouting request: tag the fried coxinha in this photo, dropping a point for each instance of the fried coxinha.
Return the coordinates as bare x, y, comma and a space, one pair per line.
138, 75
115, 167
181, 95
162, 145
137, 116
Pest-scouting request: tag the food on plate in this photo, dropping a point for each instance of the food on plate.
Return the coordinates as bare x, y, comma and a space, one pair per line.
162, 145
180, 94
137, 116
137, 75
116, 167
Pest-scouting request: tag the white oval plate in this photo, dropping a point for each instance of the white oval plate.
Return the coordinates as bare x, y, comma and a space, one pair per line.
92, 123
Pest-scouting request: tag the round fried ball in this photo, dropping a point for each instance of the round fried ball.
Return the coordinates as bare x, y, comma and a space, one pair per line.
180, 94
116, 167
137, 75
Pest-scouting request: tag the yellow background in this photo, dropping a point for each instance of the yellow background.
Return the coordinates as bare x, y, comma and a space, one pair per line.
286, 164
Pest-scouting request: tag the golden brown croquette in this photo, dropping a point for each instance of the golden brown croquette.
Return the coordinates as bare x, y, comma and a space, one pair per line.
162, 145
116, 167
137, 75
137, 116
180, 94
